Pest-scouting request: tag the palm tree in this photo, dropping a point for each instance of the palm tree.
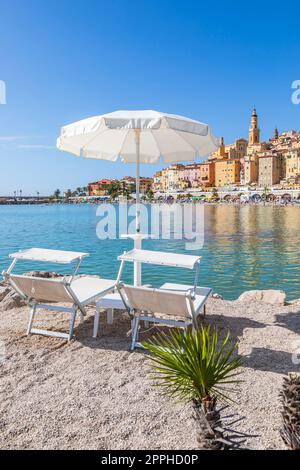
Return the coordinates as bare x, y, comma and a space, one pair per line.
150, 195
265, 192
127, 189
290, 400
68, 193
77, 191
114, 190
198, 368
57, 193
215, 194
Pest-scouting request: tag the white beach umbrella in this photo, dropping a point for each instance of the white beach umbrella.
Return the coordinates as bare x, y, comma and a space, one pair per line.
138, 137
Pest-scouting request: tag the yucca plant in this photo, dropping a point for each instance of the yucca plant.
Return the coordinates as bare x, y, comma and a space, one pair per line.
199, 368
290, 399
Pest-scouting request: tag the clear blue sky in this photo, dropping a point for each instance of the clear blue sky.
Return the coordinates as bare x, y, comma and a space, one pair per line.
64, 60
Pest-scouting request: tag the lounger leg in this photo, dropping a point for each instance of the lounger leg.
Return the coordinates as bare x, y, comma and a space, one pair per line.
96, 323
110, 316
204, 311
194, 324
31, 318
72, 323
135, 326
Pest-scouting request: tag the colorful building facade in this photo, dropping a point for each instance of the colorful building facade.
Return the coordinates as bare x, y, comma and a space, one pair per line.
227, 172
270, 169
99, 188
245, 162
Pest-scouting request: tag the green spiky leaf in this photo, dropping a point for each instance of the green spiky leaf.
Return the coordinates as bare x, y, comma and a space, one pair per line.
194, 365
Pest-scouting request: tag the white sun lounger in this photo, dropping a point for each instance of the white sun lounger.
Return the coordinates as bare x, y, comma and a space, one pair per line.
181, 303
41, 293
113, 301
44, 293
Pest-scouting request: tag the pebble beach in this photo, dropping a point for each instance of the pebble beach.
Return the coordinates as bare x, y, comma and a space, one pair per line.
95, 394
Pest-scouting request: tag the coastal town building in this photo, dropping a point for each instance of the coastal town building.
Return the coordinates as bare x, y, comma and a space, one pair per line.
227, 172
99, 188
182, 177
233, 151
126, 184
190, 176
207, 174
250, 173
291, 165
145, 184
229, 162
220, 153
174, 180
270, 169
157, 181
170, 179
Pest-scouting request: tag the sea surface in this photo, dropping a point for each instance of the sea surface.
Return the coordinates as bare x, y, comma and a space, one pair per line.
245, 247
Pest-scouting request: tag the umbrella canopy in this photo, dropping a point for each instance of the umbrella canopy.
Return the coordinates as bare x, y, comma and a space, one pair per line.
114, 135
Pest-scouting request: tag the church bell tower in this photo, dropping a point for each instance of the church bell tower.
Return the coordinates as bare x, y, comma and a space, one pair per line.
254, 132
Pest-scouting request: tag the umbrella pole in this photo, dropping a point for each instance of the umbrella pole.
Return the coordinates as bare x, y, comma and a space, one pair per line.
137, 241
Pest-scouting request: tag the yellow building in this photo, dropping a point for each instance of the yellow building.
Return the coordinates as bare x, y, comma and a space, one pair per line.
237, 150
227, 172
156, 184
173, 178
232, 151
145, 184
291, 163
169, 179
220, 153
160, 180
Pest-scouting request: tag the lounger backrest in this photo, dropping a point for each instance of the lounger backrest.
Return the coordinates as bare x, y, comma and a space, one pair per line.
40, 289
157, 301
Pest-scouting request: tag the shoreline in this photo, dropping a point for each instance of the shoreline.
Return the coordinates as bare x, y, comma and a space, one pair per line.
293, 203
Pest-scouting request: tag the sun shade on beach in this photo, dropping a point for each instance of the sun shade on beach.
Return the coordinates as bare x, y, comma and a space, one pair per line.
144, 136
114, 135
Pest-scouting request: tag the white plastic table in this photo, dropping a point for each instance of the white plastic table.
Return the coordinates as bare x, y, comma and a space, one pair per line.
113, 301
161, 258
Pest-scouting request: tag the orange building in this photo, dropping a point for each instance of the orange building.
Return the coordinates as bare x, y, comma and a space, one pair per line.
99, 188
207, 174
145, 184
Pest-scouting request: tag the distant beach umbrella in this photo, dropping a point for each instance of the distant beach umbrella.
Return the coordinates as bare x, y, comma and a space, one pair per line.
138, 137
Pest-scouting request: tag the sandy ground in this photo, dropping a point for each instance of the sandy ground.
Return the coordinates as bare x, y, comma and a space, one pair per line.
95, 394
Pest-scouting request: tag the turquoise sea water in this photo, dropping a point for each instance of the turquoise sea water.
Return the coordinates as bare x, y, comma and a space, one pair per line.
245, 248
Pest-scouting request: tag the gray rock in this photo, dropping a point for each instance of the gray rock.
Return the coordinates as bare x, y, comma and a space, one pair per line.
4, 290
12, 300
270, 296
293, 302
217, 296
44, 274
